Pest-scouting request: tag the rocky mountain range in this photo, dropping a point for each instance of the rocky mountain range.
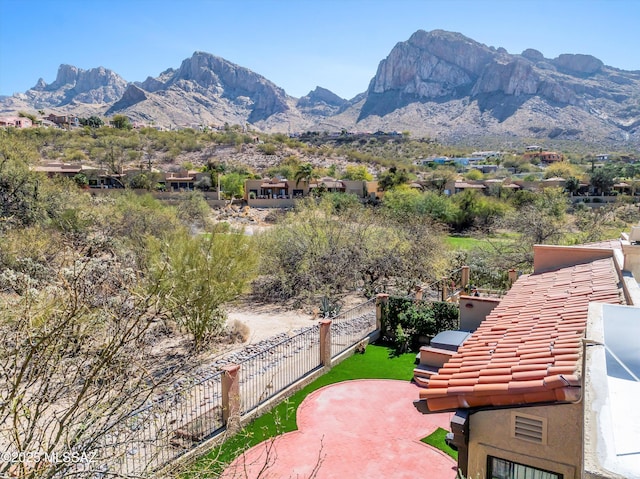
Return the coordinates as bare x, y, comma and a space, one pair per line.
441, 84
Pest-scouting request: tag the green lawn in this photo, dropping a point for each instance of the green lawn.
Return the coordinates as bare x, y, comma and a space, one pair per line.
463, 242
378, 362
436, 439
467, 243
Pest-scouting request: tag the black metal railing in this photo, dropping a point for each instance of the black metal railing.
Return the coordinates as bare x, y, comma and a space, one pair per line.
352, 326
159, 433
271, 371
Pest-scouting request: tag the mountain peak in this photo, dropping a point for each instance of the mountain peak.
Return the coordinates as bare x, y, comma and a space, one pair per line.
215, 80
436, 83
429, 65
96, 85
326, 96
321, 101
578, 64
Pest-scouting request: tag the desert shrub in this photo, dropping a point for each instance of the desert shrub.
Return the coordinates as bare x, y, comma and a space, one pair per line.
317, 250
419, 318
329, 308
238, 332
342, 202
401, 340
196, 276
628, 214
267, 148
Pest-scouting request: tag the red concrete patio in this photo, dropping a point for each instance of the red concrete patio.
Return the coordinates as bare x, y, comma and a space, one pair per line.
354, 429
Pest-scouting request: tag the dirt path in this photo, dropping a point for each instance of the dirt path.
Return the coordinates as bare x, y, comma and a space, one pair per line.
265, 321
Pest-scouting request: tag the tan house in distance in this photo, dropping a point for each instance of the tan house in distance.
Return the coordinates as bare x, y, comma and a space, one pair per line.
68, 170
545, 156
15, 122
277, 192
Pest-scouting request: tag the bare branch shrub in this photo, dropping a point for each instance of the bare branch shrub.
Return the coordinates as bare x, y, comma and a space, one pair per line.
73, 365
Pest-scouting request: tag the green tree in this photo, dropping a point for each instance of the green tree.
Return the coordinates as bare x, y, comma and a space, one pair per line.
92, 122
572, 185
287, 168
467, 203
232, 185
488, 213
31, 116
132, 218
603, 179
392, 178
198, 275
26, 197
473, 175
268, 149
81, 180
543, 220
194, 210
319, 250
562, 169
438, 178
144, 181
121, 122
215, 169
405, 200
357, 173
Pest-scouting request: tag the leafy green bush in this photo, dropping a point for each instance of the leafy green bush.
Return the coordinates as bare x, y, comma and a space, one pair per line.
419, 318
402, 340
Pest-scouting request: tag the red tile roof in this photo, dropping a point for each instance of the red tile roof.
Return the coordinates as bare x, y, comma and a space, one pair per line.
528, 348
609, 244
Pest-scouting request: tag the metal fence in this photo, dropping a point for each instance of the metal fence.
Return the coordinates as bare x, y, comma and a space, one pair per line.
160, 432
269, 372
352, 326
175, 423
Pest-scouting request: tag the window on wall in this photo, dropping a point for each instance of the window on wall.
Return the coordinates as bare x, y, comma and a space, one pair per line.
503, 469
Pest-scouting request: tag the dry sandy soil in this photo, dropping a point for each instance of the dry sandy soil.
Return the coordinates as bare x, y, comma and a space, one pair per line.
268, 320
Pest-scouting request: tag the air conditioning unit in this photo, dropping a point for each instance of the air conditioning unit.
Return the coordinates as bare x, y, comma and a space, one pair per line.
634, 236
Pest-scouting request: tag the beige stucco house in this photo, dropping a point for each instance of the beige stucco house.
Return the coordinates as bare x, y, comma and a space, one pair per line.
522, 385
278, 192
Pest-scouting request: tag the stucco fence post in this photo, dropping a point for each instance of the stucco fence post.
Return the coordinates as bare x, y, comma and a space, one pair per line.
231, 397
325, 343
418, 293
466, 275
381, 301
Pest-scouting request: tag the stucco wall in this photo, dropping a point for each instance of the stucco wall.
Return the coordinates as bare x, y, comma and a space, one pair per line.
270, 203
551, 257
474, 310
491, 434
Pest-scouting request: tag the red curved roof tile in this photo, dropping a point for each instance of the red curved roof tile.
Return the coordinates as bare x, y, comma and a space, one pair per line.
528, 349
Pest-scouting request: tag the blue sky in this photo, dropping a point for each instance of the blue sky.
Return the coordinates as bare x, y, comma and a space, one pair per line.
336, 44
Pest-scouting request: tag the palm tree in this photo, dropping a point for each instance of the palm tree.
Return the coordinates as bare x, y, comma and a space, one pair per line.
572, 185
305, 172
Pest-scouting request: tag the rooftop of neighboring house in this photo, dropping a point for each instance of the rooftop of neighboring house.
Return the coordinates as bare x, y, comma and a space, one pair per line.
465, 185
527, 350
327, 182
